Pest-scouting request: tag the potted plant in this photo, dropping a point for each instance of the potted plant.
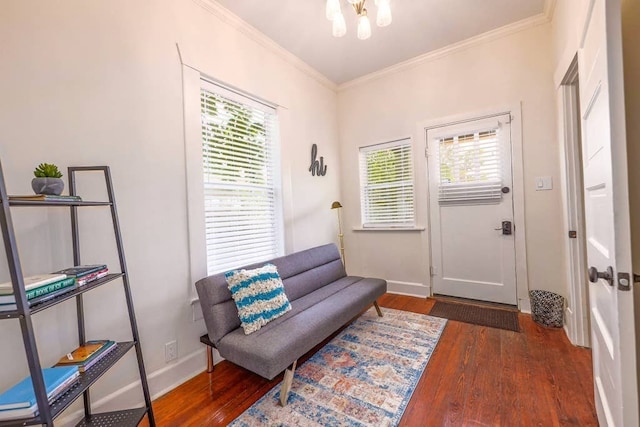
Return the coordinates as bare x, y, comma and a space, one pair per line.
47, 180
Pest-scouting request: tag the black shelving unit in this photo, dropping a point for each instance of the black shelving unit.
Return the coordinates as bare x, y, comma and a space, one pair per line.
49, 411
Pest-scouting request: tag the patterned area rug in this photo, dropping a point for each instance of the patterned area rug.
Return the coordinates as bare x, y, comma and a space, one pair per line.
364, 376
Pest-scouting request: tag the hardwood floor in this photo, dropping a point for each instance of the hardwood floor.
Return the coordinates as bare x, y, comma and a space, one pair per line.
477, 376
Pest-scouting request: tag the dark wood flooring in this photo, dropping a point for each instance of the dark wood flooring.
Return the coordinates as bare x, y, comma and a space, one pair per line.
477, 376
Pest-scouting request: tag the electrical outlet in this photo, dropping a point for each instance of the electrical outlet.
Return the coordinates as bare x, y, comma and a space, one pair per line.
170, 351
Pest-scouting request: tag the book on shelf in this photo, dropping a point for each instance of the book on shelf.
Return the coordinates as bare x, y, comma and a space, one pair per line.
8, 307
47, 198
36, 295
7, 299
50, 288
84, 357
88, 278
51, 295
20, 400
32, 282
80, 271
39, 300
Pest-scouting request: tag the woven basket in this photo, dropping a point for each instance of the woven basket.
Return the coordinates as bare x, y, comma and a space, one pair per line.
547, 308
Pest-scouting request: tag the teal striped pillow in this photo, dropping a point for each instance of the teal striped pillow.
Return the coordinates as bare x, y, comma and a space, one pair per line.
259, 296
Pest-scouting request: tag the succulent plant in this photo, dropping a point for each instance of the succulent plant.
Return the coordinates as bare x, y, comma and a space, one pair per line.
46, 170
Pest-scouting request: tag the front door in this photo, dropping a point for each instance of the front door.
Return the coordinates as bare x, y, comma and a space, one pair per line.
471, 210
607, 215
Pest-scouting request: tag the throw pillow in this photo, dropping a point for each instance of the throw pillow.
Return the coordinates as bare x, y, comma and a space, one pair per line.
259, 296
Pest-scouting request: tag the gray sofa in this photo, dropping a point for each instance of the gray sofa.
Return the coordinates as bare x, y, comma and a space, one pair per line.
323, 298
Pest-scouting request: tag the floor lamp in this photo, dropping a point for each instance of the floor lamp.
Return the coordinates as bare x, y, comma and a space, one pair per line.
338, 206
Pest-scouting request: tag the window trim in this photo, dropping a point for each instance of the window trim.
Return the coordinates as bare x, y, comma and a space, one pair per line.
387, 226
194, 199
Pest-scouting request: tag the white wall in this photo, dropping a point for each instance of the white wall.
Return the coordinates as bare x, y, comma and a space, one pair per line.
491, 74
99, 83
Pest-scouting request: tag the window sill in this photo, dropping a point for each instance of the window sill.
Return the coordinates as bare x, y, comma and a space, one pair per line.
411, 229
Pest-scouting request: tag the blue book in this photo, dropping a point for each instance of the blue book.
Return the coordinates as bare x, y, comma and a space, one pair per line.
22, 394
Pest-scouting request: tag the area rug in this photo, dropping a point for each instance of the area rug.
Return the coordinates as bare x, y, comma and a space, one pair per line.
477, 315
363, 377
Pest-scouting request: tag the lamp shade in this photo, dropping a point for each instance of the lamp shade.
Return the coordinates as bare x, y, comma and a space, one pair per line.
384, 13
332, 9
335, 205
364, 27
339, 25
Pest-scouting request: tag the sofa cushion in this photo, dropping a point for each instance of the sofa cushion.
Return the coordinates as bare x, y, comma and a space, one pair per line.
258, 295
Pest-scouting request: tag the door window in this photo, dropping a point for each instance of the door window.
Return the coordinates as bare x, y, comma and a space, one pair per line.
470, 168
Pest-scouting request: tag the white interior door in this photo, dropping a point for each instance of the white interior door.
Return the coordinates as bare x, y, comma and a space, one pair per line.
471, 210
607, 216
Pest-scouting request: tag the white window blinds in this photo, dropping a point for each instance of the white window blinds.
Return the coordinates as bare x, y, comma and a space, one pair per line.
386, 185
239, 147
470, 168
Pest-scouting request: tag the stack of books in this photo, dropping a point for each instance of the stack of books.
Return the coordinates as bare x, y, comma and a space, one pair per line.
20, 400
39, 289
85, 273
44, 287
47, 198
85, 356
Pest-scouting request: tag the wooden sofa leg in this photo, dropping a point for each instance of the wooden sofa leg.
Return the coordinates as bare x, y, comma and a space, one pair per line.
209, 359
286, 383
375, 304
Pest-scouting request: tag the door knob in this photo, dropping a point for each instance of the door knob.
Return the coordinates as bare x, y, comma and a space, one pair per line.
607, 275
505, 228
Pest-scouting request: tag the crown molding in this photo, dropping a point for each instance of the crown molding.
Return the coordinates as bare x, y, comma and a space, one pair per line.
543, 18
549, 9
254, 34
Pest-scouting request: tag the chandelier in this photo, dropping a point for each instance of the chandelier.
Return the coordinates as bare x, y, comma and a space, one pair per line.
334, 14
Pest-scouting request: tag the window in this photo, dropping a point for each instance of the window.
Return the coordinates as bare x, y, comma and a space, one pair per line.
241, 196
470, 168
386, 185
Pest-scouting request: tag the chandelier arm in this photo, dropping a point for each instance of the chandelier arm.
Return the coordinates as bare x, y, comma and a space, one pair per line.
359, 7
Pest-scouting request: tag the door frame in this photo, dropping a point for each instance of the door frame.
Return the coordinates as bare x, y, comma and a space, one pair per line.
517, 174
577, 325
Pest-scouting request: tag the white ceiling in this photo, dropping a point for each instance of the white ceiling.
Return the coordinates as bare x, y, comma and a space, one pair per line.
418, 27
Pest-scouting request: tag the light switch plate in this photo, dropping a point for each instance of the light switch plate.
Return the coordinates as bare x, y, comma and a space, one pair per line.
544, 183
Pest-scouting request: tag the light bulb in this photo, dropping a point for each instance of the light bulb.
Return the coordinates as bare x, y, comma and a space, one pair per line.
332, 9
339, 25
364, 27
384, 13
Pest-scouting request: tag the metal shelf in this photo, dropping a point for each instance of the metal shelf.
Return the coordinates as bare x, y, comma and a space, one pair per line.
64, 203
129, 417
85, 381
49, 411
63, 297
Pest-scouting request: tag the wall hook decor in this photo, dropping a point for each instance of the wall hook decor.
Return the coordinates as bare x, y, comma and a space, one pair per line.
317, 167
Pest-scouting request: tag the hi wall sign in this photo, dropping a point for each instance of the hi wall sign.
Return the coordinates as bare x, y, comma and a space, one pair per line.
317, 167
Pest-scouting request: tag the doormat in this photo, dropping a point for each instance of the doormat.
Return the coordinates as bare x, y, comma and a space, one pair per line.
477, 315
365, 376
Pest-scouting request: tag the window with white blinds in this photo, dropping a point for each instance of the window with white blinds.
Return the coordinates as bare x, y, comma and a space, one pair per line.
239, 152
470, 168
386, 185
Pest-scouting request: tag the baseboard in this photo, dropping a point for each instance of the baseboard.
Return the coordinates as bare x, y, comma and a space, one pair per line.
160, 382
569, 322
408, 288
524, 304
